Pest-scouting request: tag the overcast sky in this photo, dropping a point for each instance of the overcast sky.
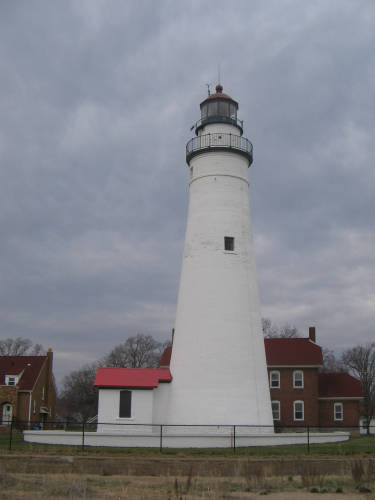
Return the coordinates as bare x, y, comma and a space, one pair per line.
96, 103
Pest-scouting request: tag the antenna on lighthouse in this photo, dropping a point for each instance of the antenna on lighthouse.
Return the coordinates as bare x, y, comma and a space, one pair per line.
218, 74
208, 88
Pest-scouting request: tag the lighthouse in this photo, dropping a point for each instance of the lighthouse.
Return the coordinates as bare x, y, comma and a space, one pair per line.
218, 360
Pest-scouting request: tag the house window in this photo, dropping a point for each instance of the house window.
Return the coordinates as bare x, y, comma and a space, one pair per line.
338, 412
229, 243
298, 410
298, 379
275, 380
11, 380
276, 410
125, 410
6, 417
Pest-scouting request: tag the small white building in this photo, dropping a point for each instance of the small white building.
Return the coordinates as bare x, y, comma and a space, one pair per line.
127, 396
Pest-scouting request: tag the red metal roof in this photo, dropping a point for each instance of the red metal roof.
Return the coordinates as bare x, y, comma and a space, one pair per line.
165, 359
131, 377
339, 385
218, 95
27, 366
292, 352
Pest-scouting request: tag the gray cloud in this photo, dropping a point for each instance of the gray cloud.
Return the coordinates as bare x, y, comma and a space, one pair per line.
97, 99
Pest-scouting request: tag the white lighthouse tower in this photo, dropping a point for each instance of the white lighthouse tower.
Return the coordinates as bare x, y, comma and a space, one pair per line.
218, 359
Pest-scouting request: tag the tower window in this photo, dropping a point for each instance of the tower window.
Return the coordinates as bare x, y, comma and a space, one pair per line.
229, 243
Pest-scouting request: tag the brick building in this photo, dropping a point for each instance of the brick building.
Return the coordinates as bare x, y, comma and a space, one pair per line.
303, 395
27, 390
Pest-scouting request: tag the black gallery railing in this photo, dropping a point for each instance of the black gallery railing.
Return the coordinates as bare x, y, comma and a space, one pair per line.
219, 140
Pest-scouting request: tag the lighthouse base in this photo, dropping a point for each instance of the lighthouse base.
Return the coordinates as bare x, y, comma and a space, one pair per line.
183, 437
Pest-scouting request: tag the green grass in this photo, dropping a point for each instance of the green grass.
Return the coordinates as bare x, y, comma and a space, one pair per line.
357, 446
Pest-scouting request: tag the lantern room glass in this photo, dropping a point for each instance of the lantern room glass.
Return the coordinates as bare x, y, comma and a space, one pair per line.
219, 108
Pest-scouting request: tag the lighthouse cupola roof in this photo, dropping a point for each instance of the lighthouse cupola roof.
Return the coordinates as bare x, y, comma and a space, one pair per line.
218, 108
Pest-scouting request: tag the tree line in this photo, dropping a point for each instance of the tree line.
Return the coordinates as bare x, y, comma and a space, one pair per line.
78, 398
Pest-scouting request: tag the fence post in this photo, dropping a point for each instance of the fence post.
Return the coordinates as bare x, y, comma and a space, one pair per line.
83, 436
308, 439
234, 439
161, 438
11, 435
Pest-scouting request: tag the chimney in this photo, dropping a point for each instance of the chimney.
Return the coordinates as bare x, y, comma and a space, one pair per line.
312, 335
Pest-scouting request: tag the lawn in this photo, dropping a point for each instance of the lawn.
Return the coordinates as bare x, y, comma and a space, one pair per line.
357, 446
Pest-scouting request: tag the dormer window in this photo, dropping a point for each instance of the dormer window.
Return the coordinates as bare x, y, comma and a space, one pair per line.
11, 379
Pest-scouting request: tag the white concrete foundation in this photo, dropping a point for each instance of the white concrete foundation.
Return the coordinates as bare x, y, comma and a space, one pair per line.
187, 438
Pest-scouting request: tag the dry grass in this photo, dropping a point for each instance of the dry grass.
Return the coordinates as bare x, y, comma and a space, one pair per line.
252, 483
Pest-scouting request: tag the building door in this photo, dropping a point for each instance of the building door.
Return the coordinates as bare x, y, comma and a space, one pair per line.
7, 414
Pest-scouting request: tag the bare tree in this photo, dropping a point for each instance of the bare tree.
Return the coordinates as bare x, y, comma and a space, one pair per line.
360, 361
20, 347
289, 331
271, 331
331, 363
141, 351
79, 397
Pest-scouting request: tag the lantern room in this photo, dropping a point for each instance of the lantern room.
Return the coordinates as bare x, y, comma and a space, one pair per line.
218, 107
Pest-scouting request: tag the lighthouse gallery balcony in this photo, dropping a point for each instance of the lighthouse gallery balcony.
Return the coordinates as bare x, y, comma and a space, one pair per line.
218, 142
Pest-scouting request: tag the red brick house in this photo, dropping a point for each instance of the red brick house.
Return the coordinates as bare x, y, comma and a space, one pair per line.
339, 396
301, 394
27, 390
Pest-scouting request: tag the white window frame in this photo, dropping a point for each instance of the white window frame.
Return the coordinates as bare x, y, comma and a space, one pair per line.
341, 406
6, 413
11, 380
295, 403
295, 380
277, 409
275, 372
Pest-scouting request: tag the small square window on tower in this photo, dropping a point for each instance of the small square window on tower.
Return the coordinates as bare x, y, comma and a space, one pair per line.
229, 243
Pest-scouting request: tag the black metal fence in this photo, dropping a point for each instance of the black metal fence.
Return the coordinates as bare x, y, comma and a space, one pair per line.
11, 436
